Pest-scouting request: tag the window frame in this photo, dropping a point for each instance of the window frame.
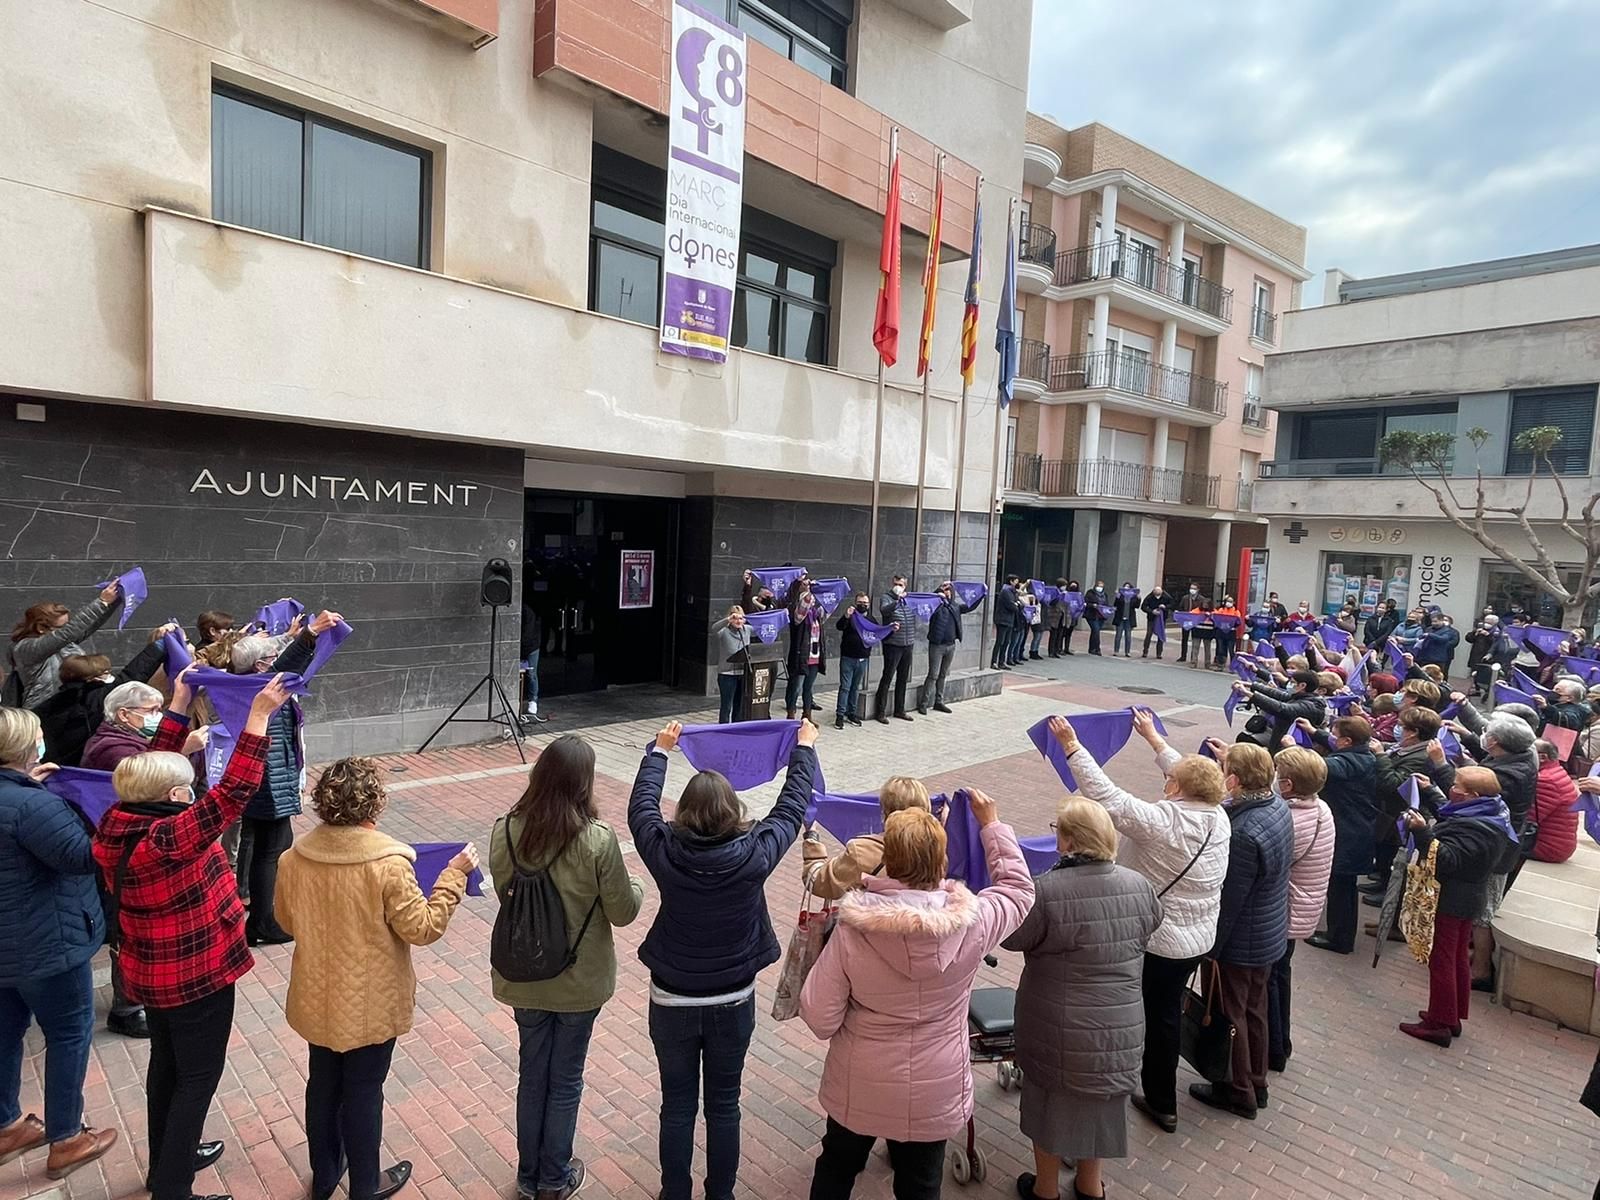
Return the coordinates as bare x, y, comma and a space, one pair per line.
763, 12
618, 193
308, 119
1586, 395
782, 296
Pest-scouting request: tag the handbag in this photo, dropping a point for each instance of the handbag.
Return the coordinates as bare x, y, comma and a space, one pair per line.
805, 947
1421, 904
1206, 1036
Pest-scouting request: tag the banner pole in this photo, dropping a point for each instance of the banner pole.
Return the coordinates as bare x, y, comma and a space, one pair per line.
877, 461
989, 549
927, 375
961, 431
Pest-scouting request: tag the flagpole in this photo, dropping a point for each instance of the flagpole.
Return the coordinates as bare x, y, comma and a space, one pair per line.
989, 565
961, 431
936, 235
877, 437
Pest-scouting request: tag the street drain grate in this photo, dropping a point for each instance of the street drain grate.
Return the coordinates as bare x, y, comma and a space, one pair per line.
1141, 691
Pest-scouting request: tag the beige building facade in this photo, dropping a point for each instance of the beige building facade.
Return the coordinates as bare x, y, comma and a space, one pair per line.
1151, 297
396, 241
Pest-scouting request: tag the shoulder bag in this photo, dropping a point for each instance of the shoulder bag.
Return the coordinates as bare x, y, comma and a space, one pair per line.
1206, 1036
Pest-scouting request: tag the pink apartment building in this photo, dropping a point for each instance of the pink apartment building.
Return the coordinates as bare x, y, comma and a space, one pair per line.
1150, 297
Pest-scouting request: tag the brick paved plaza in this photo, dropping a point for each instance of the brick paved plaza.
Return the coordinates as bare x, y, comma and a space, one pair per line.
1362, 1111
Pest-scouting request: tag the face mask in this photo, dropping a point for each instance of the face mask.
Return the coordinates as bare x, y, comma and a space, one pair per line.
151, 723
861, 606
1277, 788
899, 589
38, 750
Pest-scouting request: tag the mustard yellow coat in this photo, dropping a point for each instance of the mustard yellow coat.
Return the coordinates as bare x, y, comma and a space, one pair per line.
350, 898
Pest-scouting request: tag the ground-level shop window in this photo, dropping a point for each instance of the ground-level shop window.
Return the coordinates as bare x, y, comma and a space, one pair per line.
1503, 588
1368, 579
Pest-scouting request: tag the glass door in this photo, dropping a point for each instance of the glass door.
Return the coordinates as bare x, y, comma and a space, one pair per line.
562, 571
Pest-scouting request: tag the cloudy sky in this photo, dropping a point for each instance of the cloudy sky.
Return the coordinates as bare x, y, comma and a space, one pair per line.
1403, 135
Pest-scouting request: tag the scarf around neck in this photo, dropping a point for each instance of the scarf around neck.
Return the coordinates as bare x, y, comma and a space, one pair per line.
1481, 808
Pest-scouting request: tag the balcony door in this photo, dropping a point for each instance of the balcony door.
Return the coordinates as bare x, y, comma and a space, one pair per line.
1129, 359
1121, 471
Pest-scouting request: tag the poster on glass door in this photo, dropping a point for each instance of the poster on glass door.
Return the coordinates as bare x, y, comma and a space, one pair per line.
705, 184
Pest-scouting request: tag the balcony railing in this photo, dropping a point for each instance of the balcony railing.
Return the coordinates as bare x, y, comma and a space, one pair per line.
1129, 372
1146, 269
1255, 416
1264, 325
1101, 478
1033, 360
1036, 244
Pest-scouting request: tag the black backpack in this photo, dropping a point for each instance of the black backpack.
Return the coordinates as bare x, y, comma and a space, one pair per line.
529, 943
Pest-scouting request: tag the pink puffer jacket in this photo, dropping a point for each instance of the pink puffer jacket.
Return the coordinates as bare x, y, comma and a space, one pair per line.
1308, 869
890, 992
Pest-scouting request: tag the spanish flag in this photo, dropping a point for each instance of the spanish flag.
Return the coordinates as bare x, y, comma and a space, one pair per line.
969, 318
930, 270
886, 326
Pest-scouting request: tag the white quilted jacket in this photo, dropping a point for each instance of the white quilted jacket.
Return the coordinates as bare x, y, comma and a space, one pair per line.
1158, 839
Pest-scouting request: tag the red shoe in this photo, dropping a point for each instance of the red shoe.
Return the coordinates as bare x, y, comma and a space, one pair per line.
1426, 1031
1455, 1030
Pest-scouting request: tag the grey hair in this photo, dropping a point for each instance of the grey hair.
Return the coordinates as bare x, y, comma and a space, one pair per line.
247, 652
141, 778
1570, 687
129, 695
1511, 734
1547, 750
1522, 712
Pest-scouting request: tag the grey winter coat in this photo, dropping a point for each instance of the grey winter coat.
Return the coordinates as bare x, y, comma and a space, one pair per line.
1080, 1015
36, 661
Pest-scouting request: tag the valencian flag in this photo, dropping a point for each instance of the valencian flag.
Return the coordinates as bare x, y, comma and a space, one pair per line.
969, 317
1005, 334
886, 326
930, 270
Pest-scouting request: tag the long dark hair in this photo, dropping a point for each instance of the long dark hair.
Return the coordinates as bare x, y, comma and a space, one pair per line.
558, 801
39, 619
710, 807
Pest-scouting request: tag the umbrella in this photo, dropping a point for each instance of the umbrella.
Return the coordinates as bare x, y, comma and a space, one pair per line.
1389, 914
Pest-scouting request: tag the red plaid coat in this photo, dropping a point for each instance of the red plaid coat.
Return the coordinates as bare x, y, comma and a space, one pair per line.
181, 919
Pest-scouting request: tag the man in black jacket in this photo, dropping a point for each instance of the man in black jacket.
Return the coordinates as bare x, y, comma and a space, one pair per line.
1093, 600
1157, 602
1007, 612
944, 634
897, 647
1283, 706
1493, 648
1381, 624
1351, 795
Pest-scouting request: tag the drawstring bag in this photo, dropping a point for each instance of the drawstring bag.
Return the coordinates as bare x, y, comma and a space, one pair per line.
1421, 903
805, 947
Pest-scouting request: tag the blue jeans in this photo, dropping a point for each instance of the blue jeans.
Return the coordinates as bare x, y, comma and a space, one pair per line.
852, 673
729, 688
64, 1007
530, 673
555, 1046
806, 680
692, 1043
1038, 635
1123, 638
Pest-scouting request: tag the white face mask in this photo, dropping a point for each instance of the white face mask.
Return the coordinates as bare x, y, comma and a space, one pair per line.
899, 589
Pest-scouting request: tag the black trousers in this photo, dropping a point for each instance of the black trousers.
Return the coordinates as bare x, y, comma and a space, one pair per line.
1344, 910
1279, 1044
344, 1116
261, 844
1094, 636
188, 1048
1002, 642
896, 670
1163, 984
918, 1166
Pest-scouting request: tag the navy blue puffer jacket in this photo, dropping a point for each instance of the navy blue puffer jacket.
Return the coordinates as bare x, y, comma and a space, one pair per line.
712, 933
279, 795
1253, 927
52, 918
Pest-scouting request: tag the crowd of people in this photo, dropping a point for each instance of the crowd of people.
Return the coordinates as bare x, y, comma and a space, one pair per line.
1250, 847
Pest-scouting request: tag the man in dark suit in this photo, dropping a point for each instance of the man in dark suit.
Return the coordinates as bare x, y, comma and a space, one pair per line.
1007, 612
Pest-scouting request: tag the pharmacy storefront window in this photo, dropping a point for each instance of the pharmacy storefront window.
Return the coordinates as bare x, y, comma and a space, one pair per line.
1368, 579
1504, 589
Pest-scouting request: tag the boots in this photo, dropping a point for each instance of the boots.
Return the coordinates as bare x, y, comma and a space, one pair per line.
806, 713
791, 713
838, 720
67, 1155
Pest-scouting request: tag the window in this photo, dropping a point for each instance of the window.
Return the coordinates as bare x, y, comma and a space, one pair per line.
1341, 435
1503, 586
813, 34
785, 274
1262, 318
1438, 419
1011, 451
1570, 408
782, 306
293, 173
1364, 578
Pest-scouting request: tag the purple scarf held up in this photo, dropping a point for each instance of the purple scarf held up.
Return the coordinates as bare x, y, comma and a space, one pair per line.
275, 618
924, 604
1584, 668
747, 754
1074, 604
778, 579
1188, 620
971, 594
1504, 693
1397, 657
846, 815
1544, 640
766, 626
135, 591
1335, 639
434, 857
90, 792
1231, 703
870, 632
1293, 642
1483, 808
829, 594
1301, 737
1102, 734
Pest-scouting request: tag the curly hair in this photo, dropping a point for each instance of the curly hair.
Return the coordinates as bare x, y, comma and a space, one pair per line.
349, 792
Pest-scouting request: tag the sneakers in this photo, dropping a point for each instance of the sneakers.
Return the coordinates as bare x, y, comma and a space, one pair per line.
576, 1174
23, 1134
67, 1155
838, 721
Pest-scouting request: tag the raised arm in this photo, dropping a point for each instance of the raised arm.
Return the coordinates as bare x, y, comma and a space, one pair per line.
776, 832
1009, 897
645, 822
32, 651
416, 919
1129, 813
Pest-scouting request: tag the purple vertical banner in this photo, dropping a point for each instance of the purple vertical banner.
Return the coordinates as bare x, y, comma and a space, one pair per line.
705, 183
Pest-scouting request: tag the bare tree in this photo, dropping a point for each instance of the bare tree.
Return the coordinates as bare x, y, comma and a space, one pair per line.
1429, 459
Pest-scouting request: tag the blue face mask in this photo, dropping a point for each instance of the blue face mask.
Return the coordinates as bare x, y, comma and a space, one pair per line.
151, 723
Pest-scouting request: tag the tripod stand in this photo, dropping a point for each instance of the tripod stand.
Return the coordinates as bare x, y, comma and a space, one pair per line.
507, 714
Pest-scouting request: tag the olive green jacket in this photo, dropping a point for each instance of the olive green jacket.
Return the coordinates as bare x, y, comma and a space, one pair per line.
590, 868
